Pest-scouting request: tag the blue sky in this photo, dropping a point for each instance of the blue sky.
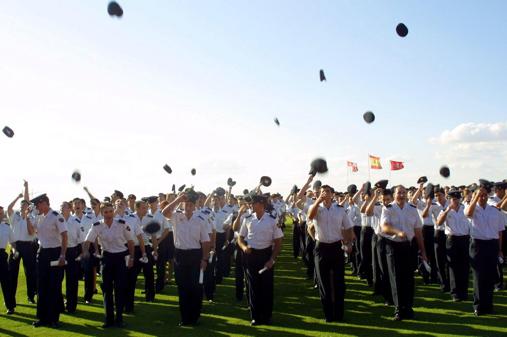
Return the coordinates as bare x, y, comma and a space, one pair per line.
198, 83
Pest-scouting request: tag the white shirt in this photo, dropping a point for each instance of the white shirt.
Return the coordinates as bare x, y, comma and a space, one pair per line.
87, 221
329, 223
493, 201
456, 223
220, 217
189, 233
260, 233
375, 219
19, 228
134, 223
6, 235
112, 239
75, 232
161, 220
486, 223
49, 229
404, 219
354, 215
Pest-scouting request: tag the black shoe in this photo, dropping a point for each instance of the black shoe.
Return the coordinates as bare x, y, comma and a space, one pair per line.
107, 325
10, 312
38, 323
397, 317
55, 325
409, 314
31, 300
120, 324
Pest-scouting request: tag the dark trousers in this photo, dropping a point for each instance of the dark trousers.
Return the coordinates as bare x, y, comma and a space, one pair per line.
330, 271
296, 238
165, 254
459, 267
187, 265
499, 278
302, 240
221, 256
239, 273
375, 266
401, 274
49, 286
72, 277
484, 260
114, 272
89, 269
209, 279
260, 286
441, 258
428, 233
385, 282
365, 267
355, 255
310, 260
5, 281
28, 253
149, 275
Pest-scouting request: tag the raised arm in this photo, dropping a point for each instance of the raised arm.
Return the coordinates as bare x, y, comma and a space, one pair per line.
373, 201
26, 195
470, 209
169, 209
90, 195
10, 208
417, 194
312, 212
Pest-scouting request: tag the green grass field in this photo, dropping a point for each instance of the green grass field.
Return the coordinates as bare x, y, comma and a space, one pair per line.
297, 313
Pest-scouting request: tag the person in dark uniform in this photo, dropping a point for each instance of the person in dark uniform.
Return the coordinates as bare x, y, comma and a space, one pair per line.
52, 234
332, 230
192, 243
457, 229
114, 235
261, 240
400, 223
26, 247
486, 239
6, 236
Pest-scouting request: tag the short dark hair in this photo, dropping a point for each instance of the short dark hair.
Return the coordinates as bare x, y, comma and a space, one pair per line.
327, 186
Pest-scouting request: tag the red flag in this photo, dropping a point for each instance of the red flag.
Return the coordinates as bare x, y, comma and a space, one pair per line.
375, 163
396, 165
353, 166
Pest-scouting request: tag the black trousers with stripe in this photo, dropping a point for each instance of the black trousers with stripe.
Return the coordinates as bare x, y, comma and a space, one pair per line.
187, 264
260, 286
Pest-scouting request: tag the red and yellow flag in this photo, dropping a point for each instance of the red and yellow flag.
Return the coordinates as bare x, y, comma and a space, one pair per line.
375, 163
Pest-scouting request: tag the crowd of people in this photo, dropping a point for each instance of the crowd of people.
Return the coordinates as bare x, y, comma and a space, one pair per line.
385, 234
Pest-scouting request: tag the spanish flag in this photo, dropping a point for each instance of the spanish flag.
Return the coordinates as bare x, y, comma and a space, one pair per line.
375, 163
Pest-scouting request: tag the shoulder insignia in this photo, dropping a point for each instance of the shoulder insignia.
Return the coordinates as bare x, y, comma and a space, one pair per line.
224, 211
97, 223
77, 220
389, 206
128, 228
121, 221
149, 215
82, 229
55, 213
339, 206
248, 216
378, 204
271, 215
206, 211
61, 219
200, 217
132, 215
413, 205
89, 217
17, 213
179, 211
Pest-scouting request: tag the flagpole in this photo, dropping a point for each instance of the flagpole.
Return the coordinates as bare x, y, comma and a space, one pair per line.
369, 173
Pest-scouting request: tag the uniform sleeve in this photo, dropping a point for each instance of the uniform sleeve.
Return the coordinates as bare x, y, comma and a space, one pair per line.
346, 222
92, 234
81, 234
128, 235
228, 221
418, 221
11, 236
277, 232
243, 231
501, 222
204, 232
137, 230
386, 216
61, 224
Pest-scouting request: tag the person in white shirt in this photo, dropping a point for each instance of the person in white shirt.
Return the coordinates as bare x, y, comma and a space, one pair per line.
6, 237
400, 223
192, 246
486, 239
332, 229
117, 244
457, 229
497, 200
261, 240
26, 247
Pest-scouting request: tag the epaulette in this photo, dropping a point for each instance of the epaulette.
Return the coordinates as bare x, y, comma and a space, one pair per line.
413, 205
149, 215
132, 215
179, 211
200, 217
55, 213
78, 221
271, 215
206, 211
224, 211
97, 223
378, 204
338, 205
389, 206
248, 216
17, 213
121, 221
89, 217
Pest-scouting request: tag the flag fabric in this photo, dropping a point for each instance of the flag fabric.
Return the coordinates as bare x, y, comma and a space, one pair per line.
353, 166
396, 165
375, 163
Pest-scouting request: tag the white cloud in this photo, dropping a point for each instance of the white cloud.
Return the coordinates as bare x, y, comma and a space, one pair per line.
473, 133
